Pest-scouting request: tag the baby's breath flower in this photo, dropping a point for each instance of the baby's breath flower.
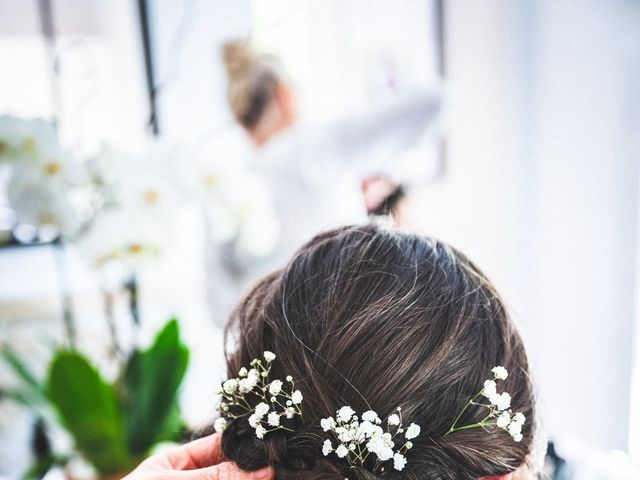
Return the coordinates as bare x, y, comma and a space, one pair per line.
503, 420
296, 397
246, 385
366, 437
399, 461
519, 418
385, 454
275, 387
230, 386
502, 401
327, 448
255, 381
393, 419
254, 420
262, 409
412, 431
514, 428
345, 436
220, 425
489, 389
345, 414
500, 373
327, 424
370, 416
342, 451
366, 428
273, 419
376, 445
499, 408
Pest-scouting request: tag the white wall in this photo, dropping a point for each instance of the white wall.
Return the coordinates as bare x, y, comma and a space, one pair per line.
187, 39
584, 124
542, 189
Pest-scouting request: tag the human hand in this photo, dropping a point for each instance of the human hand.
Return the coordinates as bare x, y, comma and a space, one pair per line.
201, 459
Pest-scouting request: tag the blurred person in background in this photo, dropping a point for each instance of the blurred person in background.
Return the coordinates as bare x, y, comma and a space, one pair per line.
321, 177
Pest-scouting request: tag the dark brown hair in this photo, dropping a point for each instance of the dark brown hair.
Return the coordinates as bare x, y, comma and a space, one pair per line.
370, 318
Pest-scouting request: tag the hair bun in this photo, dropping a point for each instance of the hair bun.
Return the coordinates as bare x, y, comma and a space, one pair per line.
237, 56
240, 444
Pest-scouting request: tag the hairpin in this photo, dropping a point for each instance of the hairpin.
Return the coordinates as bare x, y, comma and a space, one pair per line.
499, 414
357, 440
239, 394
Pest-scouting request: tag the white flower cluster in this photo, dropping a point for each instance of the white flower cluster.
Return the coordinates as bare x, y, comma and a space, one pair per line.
500, 413
500, 403
48, 188
253, 384
359, 438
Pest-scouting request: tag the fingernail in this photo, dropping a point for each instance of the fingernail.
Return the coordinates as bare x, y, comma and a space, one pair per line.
261, 474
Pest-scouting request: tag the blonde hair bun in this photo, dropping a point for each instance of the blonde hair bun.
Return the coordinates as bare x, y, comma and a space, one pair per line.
238, 57
253, 79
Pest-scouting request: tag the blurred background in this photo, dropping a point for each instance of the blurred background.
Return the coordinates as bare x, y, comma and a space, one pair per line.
130, 195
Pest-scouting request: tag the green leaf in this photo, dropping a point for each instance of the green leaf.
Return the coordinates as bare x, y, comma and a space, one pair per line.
151, 384
32, 393
88, 408
20, 396
42, 466
174, 427
18, 366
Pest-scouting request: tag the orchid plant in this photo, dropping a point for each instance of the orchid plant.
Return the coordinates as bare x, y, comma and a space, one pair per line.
113, 424
50, 191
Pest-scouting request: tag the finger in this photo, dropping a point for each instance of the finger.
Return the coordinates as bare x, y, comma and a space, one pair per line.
200, 453
227, 471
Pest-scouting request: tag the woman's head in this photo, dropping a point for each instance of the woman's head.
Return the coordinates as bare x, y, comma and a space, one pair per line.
258, 92
376, 319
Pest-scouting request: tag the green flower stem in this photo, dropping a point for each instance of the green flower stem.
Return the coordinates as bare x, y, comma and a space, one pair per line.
453, 426
482, 424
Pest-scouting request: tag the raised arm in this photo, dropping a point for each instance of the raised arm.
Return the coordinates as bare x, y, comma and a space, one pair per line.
369, 141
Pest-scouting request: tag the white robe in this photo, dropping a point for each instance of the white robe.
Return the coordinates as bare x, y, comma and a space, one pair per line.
315, 174
314, 177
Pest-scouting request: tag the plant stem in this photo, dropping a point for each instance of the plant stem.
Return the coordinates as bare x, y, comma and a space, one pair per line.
65, 294
109, 300
132, 287
452, 428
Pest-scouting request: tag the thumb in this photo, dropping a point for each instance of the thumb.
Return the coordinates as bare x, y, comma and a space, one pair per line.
227, 471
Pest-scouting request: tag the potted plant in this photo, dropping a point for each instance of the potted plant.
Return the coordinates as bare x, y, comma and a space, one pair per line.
113, 424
